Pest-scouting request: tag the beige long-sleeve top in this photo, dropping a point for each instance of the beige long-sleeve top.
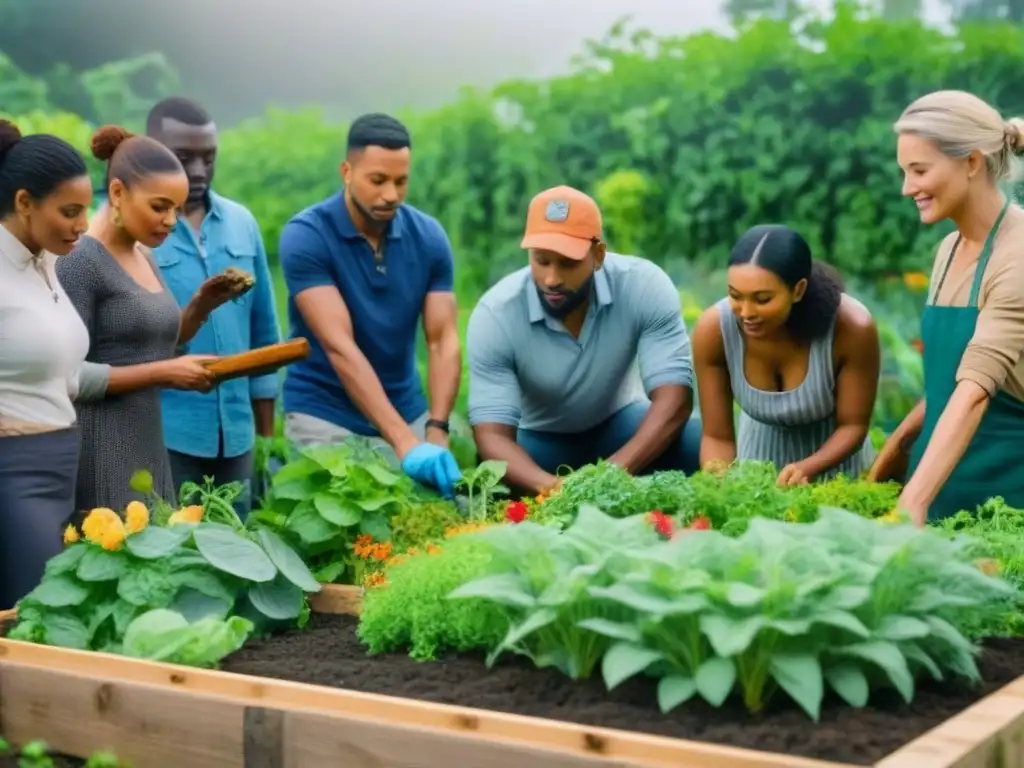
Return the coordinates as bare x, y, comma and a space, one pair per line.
993, 359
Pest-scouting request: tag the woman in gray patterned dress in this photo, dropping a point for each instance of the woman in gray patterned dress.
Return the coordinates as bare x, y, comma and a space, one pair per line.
134, 323
799, 356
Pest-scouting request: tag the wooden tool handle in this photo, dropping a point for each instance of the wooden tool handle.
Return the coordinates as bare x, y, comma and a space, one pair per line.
256, 362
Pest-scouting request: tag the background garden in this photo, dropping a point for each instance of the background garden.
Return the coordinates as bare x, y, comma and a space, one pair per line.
685, 142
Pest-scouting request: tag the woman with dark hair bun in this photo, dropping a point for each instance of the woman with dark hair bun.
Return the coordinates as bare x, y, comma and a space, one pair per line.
798, 355
45, 195
134, 321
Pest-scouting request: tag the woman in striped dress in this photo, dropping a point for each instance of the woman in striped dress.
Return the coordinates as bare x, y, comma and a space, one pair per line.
799, 356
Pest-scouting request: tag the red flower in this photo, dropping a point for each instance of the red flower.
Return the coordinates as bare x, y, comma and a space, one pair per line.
700, 524
918, 345
662, 523
515, 512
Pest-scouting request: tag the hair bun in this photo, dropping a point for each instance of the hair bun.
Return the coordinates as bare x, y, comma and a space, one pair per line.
9, 136
1014, 131
107, 139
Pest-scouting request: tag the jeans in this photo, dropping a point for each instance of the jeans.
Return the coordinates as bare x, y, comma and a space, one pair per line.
551, 450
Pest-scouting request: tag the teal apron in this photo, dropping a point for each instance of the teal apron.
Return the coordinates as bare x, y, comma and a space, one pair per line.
991, 465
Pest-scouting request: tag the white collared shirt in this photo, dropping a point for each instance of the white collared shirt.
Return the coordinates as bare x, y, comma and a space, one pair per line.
43, 341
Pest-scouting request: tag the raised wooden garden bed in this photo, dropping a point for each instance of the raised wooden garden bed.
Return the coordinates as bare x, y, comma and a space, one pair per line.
155, 715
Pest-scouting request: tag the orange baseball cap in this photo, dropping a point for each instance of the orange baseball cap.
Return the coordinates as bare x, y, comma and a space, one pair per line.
563, 220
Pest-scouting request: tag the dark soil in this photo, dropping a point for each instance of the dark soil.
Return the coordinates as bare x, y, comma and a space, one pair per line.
328, 653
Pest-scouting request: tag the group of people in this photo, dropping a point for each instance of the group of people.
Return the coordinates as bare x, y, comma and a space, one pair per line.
106, 325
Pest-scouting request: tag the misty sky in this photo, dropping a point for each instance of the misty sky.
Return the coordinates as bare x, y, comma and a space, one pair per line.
358, 55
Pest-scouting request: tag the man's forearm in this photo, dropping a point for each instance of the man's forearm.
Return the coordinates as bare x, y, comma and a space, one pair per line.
444, 373
668, 413
263, 413
522, 472
365, 390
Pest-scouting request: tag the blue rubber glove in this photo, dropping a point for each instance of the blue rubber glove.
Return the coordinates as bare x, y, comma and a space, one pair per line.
433, 465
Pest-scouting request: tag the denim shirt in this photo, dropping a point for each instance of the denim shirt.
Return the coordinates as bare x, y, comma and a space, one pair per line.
220, 423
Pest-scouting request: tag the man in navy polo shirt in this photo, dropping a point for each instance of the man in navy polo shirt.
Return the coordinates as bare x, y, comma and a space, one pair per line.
362, 268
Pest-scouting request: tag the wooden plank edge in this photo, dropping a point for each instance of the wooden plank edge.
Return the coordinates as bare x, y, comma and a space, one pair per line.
634, 748
988, 733
163, 728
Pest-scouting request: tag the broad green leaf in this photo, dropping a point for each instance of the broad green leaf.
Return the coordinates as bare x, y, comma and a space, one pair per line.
675, 690
634, 597
375, 525
227, 551
899, 628
743, 595
297, 479
502, 588
309, 525
916, 655
799, 675
791, 627
887, 657
100, 565
730, 637
341, 512
849, 682
381, 475
66, 631
287, 561
58, 592
203, 579
194, 605
533, 622
715, 679
147, 583
67, 561
373, 504
616, 630
624, 660
278, 599
843, 620
155, 541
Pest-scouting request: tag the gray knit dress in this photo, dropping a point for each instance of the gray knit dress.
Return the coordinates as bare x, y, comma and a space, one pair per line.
128, 325
787, 427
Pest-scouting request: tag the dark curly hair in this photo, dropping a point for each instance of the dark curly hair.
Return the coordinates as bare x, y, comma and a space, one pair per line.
784, 253
38, 163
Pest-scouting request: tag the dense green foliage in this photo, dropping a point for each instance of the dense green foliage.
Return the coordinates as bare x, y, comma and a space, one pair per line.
686, 142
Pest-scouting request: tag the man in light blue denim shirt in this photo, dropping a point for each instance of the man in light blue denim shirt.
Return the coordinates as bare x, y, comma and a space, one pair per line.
213, 434
582, 355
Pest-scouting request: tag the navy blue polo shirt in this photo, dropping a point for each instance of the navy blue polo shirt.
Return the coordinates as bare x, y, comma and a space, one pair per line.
321, 247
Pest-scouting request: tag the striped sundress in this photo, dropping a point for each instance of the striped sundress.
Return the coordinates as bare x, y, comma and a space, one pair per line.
787, 427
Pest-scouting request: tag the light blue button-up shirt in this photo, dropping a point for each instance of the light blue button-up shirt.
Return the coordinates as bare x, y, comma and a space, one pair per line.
196, 423
527, 370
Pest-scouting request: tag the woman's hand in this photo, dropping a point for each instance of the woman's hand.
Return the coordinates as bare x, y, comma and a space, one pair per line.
189, 373
793, 474
222, 288
891, 463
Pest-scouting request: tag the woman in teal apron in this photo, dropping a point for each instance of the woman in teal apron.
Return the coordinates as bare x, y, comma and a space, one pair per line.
967, 435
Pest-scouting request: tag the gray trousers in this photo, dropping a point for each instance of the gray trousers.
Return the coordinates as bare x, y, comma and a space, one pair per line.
303, 431
37, 499
223, 470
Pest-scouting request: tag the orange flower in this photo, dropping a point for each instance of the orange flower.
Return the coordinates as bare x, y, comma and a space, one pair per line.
465, 528
361, 548
433, 549
70, 535
375, 579
192, 514
916, 281
381, 551
136, 516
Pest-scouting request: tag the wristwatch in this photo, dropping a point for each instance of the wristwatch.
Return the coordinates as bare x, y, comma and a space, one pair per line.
438, 424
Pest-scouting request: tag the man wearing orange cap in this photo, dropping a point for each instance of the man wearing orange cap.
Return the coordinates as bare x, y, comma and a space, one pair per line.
580, 356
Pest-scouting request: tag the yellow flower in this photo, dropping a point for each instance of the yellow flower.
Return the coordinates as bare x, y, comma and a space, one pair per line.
791, 515
113, 537
98, 521
136, 516
989, 566
892, 517
916, 281
193, 514
70, 535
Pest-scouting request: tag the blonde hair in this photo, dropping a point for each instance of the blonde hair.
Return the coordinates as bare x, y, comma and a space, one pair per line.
960, 123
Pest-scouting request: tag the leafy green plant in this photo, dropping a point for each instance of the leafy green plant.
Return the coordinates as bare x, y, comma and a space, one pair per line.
329, 496
542, 577
411, 611
481, 484
92, 590
165, 635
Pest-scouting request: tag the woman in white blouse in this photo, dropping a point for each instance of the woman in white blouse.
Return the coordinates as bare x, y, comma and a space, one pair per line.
45, 194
